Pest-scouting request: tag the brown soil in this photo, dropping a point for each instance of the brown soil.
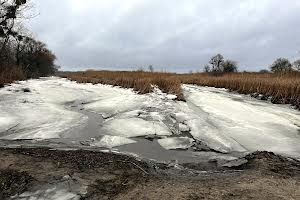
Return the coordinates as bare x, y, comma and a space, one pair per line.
111, 176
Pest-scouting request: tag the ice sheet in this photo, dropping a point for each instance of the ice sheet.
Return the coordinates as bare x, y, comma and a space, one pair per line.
233, 122
176, 143
225, 122
134, 127
111, 141
48, 194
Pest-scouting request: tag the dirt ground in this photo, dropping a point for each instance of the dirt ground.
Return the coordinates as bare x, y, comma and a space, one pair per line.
97, 175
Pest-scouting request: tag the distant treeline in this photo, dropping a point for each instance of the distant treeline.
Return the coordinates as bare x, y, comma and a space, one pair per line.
218, 65
21, 56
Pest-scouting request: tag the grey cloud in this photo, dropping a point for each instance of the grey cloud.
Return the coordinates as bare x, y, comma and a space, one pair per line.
170, 34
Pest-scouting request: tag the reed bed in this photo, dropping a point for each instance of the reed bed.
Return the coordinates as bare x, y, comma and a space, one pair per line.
10, 74
281, 88
141, 82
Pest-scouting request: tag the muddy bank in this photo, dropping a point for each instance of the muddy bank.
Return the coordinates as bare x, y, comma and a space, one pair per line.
52, 174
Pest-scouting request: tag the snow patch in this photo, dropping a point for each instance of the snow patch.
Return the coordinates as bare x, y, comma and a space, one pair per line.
49, 194
176, 143
108, 141
134, 127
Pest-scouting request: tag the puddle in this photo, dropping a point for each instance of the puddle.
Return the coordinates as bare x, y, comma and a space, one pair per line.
154, 151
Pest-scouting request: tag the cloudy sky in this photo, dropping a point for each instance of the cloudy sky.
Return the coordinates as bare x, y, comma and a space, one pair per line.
175, 35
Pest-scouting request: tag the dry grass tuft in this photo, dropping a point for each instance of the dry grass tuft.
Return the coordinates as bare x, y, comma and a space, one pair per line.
283, 88
10, 74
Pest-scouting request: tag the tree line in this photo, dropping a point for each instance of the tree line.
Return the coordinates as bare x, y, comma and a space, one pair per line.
21, 55
218, 65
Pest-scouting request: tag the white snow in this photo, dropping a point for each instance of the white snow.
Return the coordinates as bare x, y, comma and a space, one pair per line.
183, 127
111, 141
224, 121
116, 102
42, 113
231, 122
48, 194
134, 127
39, 113
176, 143
6, 121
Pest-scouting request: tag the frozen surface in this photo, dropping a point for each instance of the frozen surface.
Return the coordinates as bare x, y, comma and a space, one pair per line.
112, 141
176, 143
48, 194
233, 122
39, 113
215, 119
134, 127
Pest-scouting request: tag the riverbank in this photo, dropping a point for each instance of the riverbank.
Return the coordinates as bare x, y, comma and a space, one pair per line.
53, 174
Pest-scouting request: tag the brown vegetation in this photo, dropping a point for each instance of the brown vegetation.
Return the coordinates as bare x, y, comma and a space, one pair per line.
138, 80
11, 74
283, 88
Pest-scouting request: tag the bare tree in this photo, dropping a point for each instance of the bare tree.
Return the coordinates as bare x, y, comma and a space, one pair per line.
207, 69
229, 66
10, 11
219, 65
296, 64
281, 65
216, 63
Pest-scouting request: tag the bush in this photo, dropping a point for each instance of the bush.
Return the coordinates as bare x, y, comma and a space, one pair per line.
229, 66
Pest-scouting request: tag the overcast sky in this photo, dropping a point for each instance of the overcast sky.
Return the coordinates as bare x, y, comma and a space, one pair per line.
175, 35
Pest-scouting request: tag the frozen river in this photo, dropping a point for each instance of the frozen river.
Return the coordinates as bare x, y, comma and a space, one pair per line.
211, 124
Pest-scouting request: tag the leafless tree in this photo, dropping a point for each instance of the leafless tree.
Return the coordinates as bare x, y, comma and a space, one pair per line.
216, 62
296, 64
219, 65
281, 65
229, 66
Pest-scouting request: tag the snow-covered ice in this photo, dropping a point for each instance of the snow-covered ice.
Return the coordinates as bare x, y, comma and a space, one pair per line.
233, 122
176, 143
111, 141
134, 127
225, 122
48, 194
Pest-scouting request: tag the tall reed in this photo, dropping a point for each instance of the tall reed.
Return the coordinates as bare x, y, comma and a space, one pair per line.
282, 88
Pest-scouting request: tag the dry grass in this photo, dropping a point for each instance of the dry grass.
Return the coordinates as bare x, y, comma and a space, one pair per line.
10, 74
283, 88
140, 81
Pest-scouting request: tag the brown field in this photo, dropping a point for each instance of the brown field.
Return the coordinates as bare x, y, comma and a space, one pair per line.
282, 88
